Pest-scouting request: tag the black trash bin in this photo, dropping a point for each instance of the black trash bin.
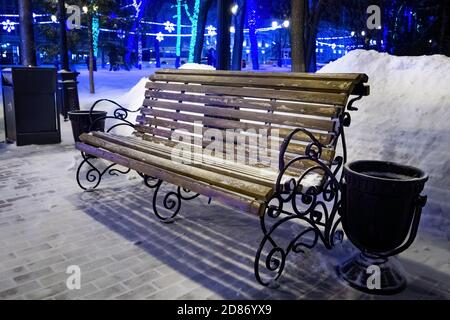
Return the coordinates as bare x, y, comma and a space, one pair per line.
81, 122
381, 212
29, 101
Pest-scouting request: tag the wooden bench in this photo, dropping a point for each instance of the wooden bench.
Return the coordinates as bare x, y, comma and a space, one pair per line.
302, 113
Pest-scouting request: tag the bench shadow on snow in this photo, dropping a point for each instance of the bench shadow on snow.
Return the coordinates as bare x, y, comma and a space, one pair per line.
214, 246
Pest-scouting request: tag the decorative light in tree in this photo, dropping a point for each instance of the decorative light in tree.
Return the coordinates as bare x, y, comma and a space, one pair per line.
139, 51
137, 7
211, 31
95, 33
178, 45
121, 34
8, 25
194, 20
159, 37
169, 26
251, 21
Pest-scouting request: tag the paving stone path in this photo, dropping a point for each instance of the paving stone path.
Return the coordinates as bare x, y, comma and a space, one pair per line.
47, 224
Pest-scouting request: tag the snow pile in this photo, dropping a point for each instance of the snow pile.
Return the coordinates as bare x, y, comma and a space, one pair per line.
196, 66
133, 99
405, 119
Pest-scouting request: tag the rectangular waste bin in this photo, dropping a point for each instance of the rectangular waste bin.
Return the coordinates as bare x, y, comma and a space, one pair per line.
29, 102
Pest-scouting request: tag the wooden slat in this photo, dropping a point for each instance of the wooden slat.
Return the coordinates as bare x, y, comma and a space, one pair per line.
357, 77
310, 123
227, 197
232, 184
163, 149
305, 96
282, 132
293, 148
250, 154
236, 102
263, 177
316, 85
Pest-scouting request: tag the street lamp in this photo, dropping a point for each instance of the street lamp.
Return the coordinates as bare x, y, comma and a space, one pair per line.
234, 9
67, 80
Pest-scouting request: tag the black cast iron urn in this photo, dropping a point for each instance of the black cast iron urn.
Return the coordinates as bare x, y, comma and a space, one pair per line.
380, 215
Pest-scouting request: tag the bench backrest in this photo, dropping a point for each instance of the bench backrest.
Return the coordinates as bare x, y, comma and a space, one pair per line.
176, 99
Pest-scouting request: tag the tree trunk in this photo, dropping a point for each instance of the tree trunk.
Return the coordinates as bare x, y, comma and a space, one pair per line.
252, 33
223, 34
238, 36
444, 25
91, 55
157, 54
178, 44
201, 25
313, 21
298, 8
27, 45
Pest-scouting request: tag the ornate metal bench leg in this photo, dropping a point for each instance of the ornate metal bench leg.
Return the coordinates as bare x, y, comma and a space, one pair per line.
271, 254
314, 208
171, 201
93, 175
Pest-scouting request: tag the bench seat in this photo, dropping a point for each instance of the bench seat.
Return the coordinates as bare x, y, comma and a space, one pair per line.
247, 185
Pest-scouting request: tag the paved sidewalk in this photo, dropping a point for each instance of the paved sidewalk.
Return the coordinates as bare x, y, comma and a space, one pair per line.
47, 224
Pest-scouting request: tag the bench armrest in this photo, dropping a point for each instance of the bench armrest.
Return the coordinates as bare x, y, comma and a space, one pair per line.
313, 150
120, 113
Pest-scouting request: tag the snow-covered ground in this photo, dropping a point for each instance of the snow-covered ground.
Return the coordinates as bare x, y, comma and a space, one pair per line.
405, 119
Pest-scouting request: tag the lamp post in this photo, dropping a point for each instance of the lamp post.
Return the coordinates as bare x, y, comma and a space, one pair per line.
67, 79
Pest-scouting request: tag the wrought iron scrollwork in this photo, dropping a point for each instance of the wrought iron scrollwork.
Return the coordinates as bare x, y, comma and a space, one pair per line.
120, 113
171, 201
93, 175
315, 204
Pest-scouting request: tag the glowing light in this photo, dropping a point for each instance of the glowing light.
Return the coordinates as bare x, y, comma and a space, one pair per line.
169, 26
259, 44
211, 31
159, 36
137, 7
352, 33
85, 9
121, 34
266, 45
363, 33
54, 18
234, 9
194, 21
286, 23
95, 33
232, 29
274, 24
8, 25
